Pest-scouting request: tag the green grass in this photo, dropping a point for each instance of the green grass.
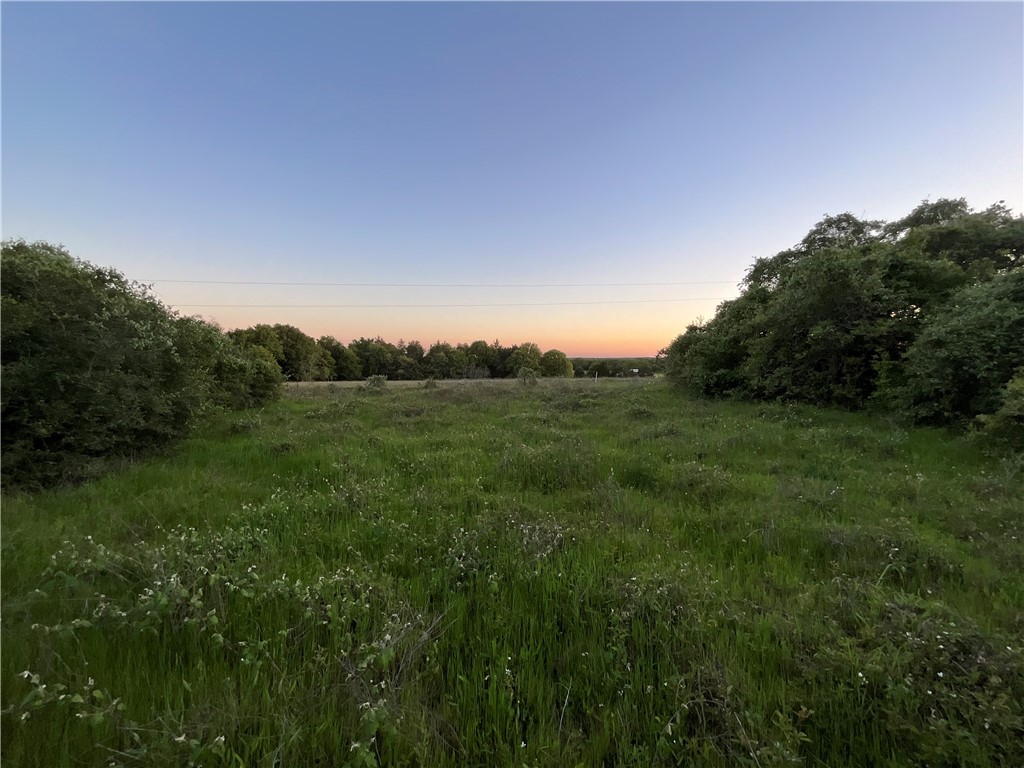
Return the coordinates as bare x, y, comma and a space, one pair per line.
490, 574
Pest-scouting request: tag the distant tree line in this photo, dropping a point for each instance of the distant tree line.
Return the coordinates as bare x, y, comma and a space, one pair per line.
923, 316
94, 367
303, 358
612, 367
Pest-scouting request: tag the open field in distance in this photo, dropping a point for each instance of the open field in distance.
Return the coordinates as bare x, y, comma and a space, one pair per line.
490, 574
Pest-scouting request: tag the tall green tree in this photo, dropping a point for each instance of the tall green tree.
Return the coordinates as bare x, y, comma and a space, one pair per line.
301, 359
345, 364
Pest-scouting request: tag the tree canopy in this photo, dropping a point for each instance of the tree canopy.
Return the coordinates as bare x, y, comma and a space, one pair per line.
924, 314
301, 358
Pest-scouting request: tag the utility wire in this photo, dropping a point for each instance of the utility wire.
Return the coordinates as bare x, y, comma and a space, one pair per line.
421, 306
446, 285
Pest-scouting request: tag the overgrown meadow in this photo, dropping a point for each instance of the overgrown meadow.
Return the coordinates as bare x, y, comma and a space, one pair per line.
514, 574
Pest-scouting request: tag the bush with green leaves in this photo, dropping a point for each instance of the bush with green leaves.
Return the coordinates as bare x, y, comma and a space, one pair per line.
1006, 424
965, 355
95, 367
555, 363
923, 314
527, 376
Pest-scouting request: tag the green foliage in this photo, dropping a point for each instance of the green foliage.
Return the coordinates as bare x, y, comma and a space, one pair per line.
527, 376
299, 357
965, 355
262, 336
412, 349
379, 358
443, 361
526, 355
862, 309
1006, 424
346, 365
478, 360
94, 367
555, 363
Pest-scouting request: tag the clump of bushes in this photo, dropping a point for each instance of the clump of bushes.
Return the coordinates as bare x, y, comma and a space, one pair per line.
93, 367
1006, 424
923, 316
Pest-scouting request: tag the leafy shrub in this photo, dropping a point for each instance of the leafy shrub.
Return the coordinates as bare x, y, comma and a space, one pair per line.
527, 376
924, 315
95, 367
1006, 424
376, 384
965, 355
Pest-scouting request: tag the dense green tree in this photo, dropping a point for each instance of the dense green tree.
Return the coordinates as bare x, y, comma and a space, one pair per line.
1006, 423
301, 359
261, 335
375, 358
437, 363
526, 355
498, 362
94, 366
412, 349
555, 363
443, 361
299, 356
481, 360
858, 300
981, 243
406, 369
381, 358
345, 364
965, 356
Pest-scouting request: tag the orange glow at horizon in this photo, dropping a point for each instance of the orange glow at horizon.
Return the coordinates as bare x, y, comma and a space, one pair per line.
592, 331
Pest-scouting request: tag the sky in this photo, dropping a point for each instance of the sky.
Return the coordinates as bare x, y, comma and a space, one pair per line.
591, 177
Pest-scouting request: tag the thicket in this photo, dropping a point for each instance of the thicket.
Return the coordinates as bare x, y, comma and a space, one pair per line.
923, 316
93, 367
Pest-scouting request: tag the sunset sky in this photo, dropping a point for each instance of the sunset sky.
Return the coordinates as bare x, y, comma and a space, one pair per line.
509, 168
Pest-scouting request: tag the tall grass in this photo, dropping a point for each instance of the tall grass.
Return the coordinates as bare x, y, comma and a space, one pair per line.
576, 573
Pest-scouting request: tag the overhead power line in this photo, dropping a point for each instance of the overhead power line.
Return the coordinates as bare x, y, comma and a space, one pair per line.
445, 285
423, 306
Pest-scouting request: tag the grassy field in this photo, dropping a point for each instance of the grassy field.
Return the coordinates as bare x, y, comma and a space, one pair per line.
487, 574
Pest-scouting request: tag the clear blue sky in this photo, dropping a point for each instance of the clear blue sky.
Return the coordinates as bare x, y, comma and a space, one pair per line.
478, 143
